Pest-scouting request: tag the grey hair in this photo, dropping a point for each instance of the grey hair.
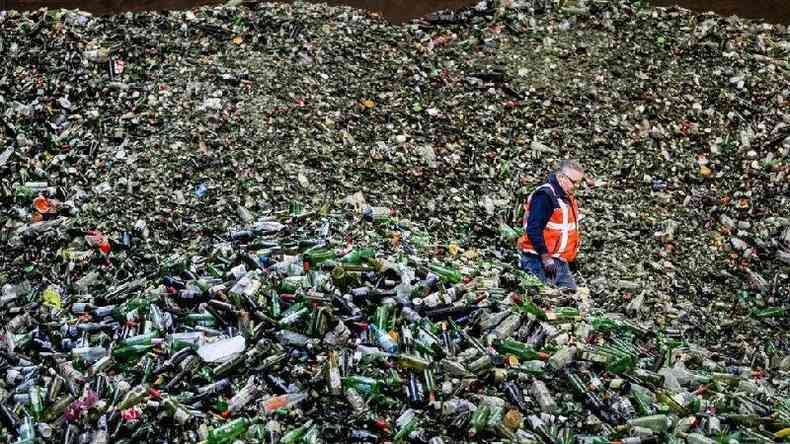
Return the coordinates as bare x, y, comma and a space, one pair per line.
568, 165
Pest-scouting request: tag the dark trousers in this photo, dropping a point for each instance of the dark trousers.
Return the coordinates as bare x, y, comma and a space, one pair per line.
532, 264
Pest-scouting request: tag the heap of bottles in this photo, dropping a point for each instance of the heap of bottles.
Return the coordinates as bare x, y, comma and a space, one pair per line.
284, 333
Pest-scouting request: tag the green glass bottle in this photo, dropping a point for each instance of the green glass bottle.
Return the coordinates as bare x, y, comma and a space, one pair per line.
531, 367
180, 414
295, 207
358, 255
656, 423
201, 319
133, 397
429, 379
295, 435
528, 306
24, 193
275, 308
528, 281
745, 419
773, 312
520, 350
412, 361
383, 314
319, 322
378, 214
145, 339
257, 433
311, 436
27, 432
220, 405
605, 324
291, 284
384, 339
725, 378
131, 351
421, 289
294, 314
203, 285
178, 341
591, 440
175, 264
123, 311
318, 254
699, 438
333, 374
683, 403
620, 363
342, 278
508, 233
563, 313
427, 344
213, 271
149, 365
446, 274
362, 384
405, 431
479, 420
37, 401
55, 410
435, 328
226, 433
648, 377
619, 356
642, 400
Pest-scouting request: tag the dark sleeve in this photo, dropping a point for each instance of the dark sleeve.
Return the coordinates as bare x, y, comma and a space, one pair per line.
540, 211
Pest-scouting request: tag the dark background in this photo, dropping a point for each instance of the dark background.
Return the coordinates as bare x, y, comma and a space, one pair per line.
775, 11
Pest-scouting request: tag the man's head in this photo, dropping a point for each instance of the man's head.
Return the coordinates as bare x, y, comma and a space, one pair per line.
570, 175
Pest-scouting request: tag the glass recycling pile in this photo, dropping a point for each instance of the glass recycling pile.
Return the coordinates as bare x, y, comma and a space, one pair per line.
153, 288
318, 326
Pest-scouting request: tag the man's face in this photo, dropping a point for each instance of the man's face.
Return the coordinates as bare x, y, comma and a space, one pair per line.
570, 180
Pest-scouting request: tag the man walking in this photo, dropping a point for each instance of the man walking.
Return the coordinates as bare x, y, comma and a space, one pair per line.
551, 233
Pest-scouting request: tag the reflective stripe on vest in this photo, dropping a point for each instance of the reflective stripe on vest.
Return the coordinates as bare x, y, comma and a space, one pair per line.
565, 227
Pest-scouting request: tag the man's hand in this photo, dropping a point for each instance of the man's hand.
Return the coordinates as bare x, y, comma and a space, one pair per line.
549, 265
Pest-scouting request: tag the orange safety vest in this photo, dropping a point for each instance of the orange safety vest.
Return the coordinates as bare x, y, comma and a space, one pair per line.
561, 233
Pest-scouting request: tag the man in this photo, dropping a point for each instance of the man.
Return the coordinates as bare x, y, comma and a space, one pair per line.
551, 234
